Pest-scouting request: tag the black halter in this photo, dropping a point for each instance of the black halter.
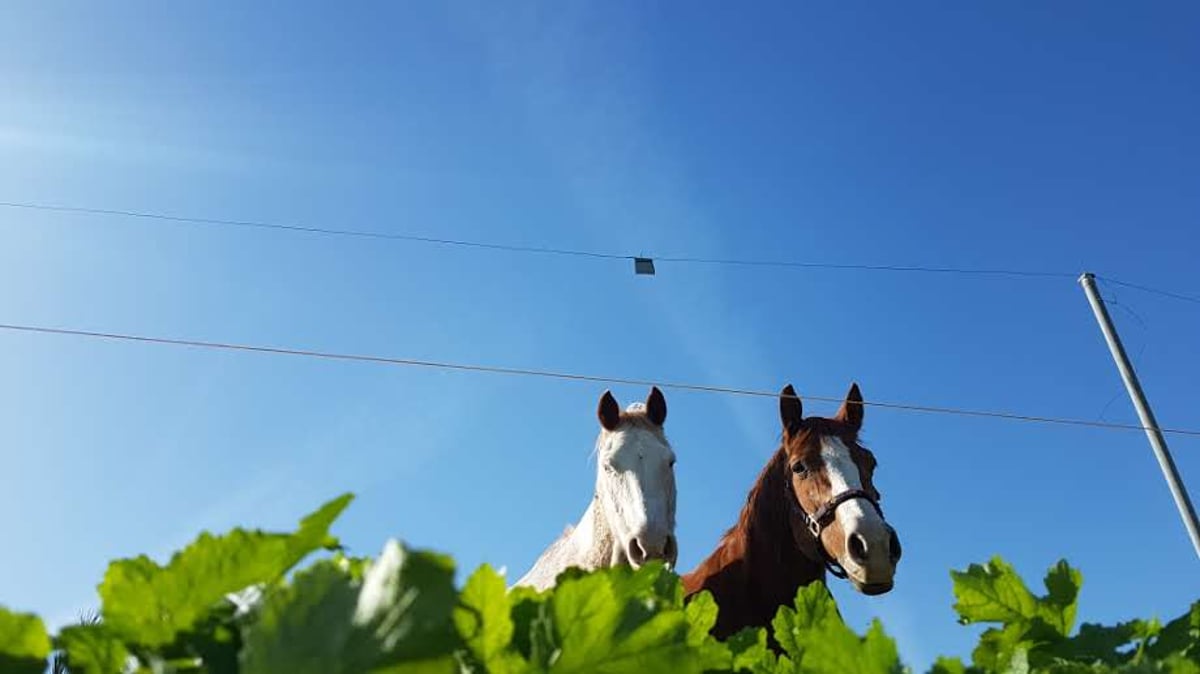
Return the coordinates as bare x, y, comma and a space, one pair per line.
817, 522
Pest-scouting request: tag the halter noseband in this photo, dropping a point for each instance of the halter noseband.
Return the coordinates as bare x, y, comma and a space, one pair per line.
817, 522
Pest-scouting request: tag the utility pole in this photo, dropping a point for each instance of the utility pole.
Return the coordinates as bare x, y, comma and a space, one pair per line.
1157, 442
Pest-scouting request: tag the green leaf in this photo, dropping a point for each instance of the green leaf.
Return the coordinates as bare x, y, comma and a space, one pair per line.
945, 665
214, 642
992, 592
1018, 663
485, 623
596, 631
24, 644
543, 642
1101, 644
701, 612
817, 640
751, 653
397, 619
997, 647
529, 621
307, 626
1180, 636
879, 650
814, 606
148, 604
836, 648
92, 649
1060, 605
701, 615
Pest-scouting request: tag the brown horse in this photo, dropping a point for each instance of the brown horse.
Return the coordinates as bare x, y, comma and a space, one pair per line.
814, 508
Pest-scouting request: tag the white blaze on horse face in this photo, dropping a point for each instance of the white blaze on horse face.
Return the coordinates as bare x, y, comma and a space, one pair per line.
855, 515
636, 485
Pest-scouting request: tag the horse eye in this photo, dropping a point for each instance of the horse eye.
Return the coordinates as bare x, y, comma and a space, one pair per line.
799, 468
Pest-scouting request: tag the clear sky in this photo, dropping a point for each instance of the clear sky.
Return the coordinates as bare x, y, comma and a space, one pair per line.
1055, 136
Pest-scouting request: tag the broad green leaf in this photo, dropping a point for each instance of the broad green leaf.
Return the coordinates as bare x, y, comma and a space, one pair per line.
997, 647
652, 580
992, 592
817, 641
92, 649
1180, 636
813, 607
944, 665
879, 650
407, 601
751, 653
786, 666
308, 627
1018, 663
529, 621
1102, 644
597, 632
836, 648
148, 604
1178, 664
398, 619
543, 642
701, 614
214, 642
485, 623
24, 644
1059, 606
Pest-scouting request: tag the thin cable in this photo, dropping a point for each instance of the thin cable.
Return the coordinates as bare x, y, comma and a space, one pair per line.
463, 367
545, 250
866, 267
1148, 289
528, 249
251, 224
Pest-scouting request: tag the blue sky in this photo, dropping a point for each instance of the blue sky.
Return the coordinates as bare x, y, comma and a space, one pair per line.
1008, 135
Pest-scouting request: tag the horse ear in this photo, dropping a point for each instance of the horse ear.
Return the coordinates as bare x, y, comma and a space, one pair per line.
656, 406
609, 412
852, 410
791, 411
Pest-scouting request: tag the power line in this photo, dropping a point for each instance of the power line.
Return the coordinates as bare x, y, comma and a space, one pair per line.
867, 267
251, 224
464, 367
512, 248
1148, 289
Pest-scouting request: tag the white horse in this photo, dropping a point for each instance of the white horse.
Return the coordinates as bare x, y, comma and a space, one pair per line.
631, 518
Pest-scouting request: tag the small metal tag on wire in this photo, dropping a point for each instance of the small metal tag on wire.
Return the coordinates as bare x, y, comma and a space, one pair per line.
643, 266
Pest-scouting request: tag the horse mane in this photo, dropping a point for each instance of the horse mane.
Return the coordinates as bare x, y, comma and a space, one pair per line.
764, 517
757, 565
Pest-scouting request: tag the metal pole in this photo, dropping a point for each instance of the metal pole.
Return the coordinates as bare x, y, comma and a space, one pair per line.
1157, 442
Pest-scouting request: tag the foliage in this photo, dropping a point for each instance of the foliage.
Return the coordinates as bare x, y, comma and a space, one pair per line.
238, 603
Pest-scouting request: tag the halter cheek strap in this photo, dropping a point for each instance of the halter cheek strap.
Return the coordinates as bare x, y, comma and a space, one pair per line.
824, 516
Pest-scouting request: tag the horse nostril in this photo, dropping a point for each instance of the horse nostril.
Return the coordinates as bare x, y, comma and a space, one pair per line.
637, 554
856, 545
894, 546
671, 550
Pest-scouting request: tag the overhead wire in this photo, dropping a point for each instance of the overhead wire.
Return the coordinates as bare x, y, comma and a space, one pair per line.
575, 252
1148, 289
571, 376
514, 248
306, 229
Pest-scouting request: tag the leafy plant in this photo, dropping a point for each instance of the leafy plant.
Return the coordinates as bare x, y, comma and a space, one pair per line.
240, 603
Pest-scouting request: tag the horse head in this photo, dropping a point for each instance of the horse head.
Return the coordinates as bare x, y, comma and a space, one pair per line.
835, 510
